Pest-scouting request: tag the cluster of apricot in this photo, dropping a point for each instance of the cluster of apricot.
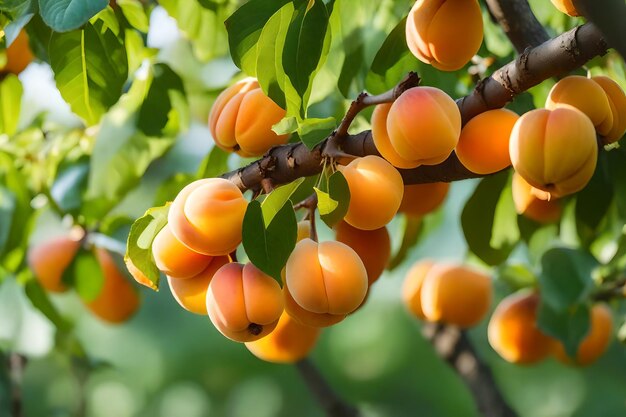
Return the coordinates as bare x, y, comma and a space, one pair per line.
117, 300
17, 56
514, 335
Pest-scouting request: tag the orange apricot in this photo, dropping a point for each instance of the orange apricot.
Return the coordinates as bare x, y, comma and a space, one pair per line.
18, 55
483, 146
420, 199
190, 293
595, 343
327, 277
175, 259
244, 303
566, 6
554, 150
289, 342
412, 287
49, 260
306, 317
584, 94
421, 127
456, 295
118, 299
372, 246
444, 33
513, 333
242, 117
207, 216
612, 132
375, 192
531, 202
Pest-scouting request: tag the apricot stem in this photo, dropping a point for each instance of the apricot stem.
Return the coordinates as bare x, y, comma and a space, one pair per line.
328, 399
310, 203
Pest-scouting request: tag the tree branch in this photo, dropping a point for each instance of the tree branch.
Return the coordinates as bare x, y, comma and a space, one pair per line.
557, 56
455, 348
518, 22
325, 395
17, 363
609, 16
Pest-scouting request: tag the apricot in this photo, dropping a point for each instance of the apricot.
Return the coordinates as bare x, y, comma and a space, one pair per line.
190, 293
49, 260
244, 303
595, 343
584, 94
612, 132
421, 127
18, 55
554, 150
412, 287
483, 147
175, 259
376, 190
456, 295
289, 342
513, 333
242, 117
327, 277
444, 33
207, 216
533, 203
118, 299
372, 246
420, 199
306, 317
565, 6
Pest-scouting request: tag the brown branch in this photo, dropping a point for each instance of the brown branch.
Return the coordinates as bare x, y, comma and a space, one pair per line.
609, 16
17, 363
557, 56
455, 348
518, 22
324, 394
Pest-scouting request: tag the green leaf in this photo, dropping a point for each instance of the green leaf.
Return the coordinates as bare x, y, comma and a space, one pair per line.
617, 168
505, 232
312, 131
593, 201
325, 204
169, 189
570, 326
66, 15
69, 185
478, 216
278, 198
135, 14
566, 277
214, 164
411, 231
90, 68
139, 244
40, 300
10, 104
7, 210
269, 247
85, 275
21, 12
517, 276
339, 192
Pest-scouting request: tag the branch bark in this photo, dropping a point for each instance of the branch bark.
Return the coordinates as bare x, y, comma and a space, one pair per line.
518, 22
17, 363
572, 49
609, 16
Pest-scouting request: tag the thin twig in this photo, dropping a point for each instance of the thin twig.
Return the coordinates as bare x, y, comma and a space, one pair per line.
518, 23
17, 363
328, 399
310, 203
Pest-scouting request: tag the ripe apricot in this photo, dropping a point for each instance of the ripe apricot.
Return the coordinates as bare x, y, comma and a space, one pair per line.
554, 150
584, 94
595, 343
421, 127
49, 260
175, 259
328, 277
513, 331
242, 117
565, 6
444, 33
190, 293
18, 55
375, 192
306, 317
483, 147
207, 216
455, 294
372, 246
244, 303
412, 287
289, 342
420, 199
612, 132
533, 203
118, 299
